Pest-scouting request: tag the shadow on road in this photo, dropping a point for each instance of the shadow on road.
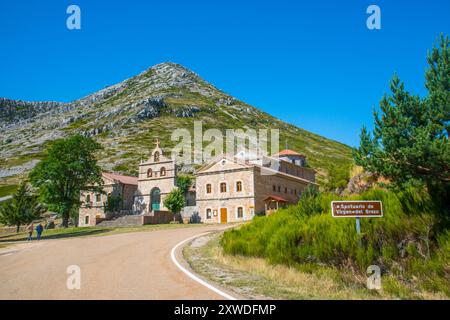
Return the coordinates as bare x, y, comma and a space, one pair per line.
23, 237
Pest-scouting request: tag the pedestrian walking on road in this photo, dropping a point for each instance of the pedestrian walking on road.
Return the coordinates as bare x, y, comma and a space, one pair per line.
30, 230
39, 230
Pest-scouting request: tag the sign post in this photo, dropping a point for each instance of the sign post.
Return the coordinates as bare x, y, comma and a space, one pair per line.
358, 226
357, 209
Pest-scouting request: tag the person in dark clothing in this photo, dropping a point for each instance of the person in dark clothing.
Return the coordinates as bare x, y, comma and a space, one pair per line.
39, 230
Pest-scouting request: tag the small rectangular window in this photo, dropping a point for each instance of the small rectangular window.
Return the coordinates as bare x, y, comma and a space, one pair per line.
240, 212
208, 188
98, 197
208, 213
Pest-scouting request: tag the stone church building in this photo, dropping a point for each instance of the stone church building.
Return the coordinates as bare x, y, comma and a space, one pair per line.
157, 177
230, 188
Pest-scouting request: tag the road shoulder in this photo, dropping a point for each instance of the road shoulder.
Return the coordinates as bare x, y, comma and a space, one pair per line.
254, 278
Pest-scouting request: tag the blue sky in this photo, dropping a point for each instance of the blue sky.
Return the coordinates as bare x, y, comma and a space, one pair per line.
311, 63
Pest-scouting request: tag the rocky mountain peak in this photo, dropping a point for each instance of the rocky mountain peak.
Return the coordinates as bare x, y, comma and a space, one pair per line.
168, 75
171, 69
126, 117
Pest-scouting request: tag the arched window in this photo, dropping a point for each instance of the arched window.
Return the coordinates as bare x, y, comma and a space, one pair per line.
238, 186
156, 156
208, 188
86, 220
162, 172
88, 198
223, 187
149, 173
208, 213
240, 212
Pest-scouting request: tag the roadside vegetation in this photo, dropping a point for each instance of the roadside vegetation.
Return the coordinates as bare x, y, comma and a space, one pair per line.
68, 166
257, 278
408, 154
23, 208
7, 190
408, 244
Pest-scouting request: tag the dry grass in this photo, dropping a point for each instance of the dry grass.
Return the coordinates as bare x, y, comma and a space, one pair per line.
254, 278
355, 170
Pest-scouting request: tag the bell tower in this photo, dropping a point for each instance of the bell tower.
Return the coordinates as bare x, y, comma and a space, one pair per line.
156, 179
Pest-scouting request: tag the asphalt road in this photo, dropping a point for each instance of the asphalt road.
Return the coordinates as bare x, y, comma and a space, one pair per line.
122, 266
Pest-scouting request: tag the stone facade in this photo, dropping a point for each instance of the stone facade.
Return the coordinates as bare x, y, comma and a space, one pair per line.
219, 198
280, 184
231, 189
92, 207
227, 189
157, 177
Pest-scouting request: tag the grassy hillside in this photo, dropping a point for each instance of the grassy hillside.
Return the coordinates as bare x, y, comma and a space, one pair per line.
127, 117
408, 244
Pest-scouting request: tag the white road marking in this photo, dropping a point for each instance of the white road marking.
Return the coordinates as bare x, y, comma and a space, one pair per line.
193, 276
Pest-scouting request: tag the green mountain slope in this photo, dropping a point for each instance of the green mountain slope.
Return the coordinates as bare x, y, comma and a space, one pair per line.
127, 117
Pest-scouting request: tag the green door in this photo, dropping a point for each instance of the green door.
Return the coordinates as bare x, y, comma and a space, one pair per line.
155, 199
155, 206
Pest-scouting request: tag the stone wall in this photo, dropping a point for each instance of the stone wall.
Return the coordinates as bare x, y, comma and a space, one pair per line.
158, 217
93, 213
279, 185
187, 212
128, 196
295, 170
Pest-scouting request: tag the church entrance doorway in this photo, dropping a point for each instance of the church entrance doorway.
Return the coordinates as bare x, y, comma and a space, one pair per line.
155, 199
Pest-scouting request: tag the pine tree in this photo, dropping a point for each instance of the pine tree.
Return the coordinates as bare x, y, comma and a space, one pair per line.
409, 144
22, 209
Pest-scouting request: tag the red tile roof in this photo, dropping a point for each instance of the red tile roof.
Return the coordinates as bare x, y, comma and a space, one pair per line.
121, 178
271, 197
287, 152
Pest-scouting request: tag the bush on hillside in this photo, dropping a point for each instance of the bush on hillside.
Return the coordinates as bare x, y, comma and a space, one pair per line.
407, 242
